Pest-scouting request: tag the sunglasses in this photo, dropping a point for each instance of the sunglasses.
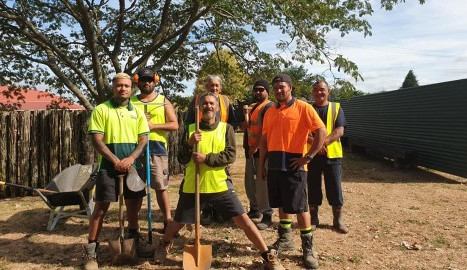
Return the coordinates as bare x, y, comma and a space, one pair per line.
258, 89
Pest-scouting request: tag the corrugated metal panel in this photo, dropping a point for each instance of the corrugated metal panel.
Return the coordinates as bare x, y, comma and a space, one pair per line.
430, 120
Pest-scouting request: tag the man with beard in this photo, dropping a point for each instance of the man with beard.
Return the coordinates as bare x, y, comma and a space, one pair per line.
256, 189
285, 130
119, 134
329, 159
161, 118
216, 150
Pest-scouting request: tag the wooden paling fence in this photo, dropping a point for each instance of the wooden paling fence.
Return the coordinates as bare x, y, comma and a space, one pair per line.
36, 145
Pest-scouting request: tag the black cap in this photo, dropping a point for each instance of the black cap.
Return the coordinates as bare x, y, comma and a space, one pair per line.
282, 78
262, 83
149, 73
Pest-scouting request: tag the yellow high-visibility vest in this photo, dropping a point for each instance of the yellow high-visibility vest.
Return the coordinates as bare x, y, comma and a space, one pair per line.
211, 179
335, 148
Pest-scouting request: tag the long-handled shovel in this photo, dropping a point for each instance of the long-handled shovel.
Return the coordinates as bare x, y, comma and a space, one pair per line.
122, 251
197, 256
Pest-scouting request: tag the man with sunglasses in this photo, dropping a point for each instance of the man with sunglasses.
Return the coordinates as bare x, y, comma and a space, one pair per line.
256, 189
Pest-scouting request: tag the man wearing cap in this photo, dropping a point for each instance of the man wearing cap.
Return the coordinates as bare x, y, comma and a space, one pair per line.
285, 130
256, 189
216, 150
119, 134
329, 159
161, 118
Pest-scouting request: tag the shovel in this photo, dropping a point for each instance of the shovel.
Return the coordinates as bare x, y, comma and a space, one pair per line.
122, 251
197, 256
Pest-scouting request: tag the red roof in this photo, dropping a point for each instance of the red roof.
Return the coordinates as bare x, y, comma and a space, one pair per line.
28, 99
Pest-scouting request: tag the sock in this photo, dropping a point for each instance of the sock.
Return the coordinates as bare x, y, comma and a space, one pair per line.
92, 241
286, 223
306, 231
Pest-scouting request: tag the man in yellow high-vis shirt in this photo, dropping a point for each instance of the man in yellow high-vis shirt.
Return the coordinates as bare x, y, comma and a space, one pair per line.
161, 118
328, 161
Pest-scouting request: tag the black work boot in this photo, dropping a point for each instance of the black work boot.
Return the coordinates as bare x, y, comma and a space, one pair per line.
284, 242
265, 223
90, 256
255, 216
314, 216
337, 220
310, 257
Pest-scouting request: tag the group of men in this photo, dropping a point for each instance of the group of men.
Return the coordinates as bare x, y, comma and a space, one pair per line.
277, 157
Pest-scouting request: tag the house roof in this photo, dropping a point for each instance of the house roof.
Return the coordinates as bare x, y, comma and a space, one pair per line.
29, 99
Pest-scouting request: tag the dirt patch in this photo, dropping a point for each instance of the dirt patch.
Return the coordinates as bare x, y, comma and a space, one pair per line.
398, 219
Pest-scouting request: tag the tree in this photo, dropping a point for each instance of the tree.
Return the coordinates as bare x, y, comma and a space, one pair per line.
73, 47
343, 90
410, 80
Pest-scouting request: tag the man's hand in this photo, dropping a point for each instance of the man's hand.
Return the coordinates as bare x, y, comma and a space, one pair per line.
297, 163
252, 151
124, 164
199, 158
323, 151
194, 138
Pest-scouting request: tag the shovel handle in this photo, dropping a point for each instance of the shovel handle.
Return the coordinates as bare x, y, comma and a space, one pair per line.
121, 219
197, 201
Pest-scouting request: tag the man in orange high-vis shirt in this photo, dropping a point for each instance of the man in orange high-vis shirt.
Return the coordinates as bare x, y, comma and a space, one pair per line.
256, 189
285, 130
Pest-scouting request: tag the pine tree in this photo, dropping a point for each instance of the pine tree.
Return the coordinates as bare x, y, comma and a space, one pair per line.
410, 80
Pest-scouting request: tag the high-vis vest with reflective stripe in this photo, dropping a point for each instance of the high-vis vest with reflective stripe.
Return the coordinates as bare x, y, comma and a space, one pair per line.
335, 148
212, 179
224, 104
253, 128
156, 108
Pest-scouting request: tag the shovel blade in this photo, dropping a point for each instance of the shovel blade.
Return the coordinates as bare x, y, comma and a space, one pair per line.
197, 257
122, 251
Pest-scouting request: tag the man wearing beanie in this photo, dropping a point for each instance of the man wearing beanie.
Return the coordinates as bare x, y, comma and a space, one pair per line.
256, 189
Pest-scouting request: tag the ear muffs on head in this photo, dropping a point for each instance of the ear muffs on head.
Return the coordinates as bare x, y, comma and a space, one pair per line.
136, 78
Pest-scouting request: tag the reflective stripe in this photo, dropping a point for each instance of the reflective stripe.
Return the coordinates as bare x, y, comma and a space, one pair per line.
334, 149
212, 179
253, 129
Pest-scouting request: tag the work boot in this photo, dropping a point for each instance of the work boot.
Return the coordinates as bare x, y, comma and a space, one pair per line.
314, 216
143, 249
255, 216
265, 223
272, 262
90, 256
337, 220
162, 250
310, 257
284, 242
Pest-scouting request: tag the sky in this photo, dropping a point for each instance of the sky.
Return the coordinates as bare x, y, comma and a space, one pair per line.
430, 39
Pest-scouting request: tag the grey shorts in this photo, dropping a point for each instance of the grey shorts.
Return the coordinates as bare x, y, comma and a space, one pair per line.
225, 203
159, 172
107, 188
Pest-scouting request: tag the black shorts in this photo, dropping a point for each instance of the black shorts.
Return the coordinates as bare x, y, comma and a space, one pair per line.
225, 203
288, 190
107, 188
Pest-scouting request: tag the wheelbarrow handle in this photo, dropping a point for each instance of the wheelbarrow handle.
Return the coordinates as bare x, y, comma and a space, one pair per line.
3, 183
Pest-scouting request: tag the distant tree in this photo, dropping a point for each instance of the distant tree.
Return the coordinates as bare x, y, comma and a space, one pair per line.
410, 80
224, 63
344, 90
